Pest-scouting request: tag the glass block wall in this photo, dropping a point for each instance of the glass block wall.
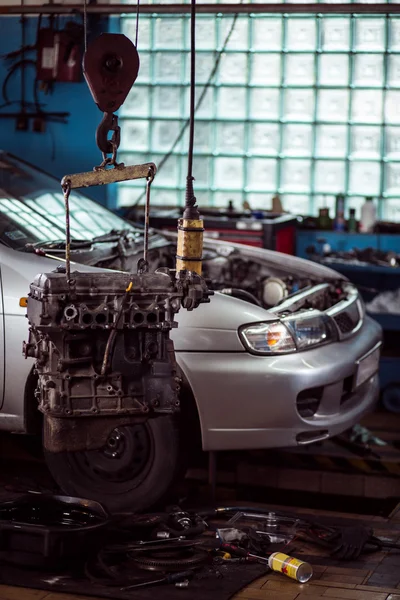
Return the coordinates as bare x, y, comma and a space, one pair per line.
306, 106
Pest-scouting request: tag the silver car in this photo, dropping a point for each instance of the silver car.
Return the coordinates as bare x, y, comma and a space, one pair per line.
292, 360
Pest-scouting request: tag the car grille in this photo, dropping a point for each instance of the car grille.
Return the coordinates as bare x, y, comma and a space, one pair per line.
345, 322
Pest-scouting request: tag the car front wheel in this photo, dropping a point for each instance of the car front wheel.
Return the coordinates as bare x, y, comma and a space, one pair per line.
132, 472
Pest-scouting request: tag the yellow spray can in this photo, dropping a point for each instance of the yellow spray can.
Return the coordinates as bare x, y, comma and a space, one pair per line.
292, 567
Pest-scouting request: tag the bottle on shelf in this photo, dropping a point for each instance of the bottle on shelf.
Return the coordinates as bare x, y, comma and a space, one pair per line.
368, 216
231, 207
352, 225
246, 206
339, 223
277, 207
324, 220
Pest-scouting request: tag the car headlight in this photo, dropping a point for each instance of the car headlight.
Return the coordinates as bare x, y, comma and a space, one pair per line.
311, 329
267, 338
288, 335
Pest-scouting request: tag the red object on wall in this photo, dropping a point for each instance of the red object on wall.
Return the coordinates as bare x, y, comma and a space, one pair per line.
58, 57
285, 240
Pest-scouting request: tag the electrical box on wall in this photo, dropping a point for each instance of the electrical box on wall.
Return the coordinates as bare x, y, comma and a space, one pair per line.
58, 55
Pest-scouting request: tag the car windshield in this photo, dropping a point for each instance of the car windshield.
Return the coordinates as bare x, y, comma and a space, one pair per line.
32, 209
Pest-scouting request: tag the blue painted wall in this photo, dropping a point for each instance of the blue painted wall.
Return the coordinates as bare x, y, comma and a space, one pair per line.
62, 148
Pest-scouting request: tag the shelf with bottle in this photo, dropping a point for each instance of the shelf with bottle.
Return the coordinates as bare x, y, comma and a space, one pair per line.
346, 221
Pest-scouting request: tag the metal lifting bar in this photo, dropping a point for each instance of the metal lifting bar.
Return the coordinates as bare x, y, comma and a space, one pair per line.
118, 9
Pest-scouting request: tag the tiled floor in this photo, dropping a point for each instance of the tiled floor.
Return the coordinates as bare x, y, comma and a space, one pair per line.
376, 577
332, 583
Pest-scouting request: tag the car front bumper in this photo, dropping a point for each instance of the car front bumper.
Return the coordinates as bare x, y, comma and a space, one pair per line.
247, 401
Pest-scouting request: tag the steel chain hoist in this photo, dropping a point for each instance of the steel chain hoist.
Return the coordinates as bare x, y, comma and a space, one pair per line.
102, 339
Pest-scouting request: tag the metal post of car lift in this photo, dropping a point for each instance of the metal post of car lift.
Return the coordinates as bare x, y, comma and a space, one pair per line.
212, 474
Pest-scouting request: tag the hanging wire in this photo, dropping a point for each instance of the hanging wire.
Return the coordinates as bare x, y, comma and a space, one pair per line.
190, 199
66, 187
24, 104
149, 181
198, 104
85, 23
137, 23
23, 46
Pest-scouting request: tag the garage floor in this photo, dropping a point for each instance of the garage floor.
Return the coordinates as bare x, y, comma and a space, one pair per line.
377, 577
322, 470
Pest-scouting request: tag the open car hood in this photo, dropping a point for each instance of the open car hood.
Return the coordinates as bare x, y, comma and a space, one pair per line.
285, 263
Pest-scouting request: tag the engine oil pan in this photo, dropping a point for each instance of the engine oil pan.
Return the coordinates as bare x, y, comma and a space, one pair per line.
50, 531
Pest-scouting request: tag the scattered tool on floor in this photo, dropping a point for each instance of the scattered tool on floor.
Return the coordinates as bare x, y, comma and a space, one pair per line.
174, 547
178, 578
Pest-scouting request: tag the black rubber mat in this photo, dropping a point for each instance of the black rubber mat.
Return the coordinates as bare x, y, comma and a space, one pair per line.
208, 584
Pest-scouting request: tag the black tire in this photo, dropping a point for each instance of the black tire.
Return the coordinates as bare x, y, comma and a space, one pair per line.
149, 465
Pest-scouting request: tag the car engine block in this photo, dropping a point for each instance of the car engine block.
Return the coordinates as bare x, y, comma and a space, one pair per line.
102, 348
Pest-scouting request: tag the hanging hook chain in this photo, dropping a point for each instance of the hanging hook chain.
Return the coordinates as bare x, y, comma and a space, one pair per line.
109, 123
66, 188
